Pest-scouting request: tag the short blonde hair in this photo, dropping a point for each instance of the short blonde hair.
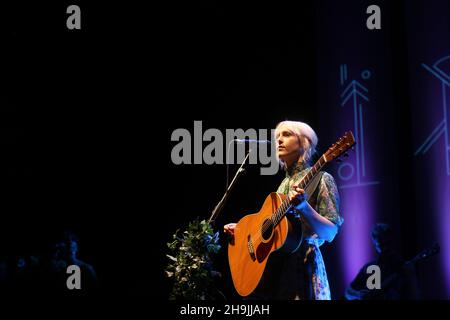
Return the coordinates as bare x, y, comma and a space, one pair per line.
306, 135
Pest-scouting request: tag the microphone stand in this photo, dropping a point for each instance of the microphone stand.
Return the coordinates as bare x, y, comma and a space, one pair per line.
221, 203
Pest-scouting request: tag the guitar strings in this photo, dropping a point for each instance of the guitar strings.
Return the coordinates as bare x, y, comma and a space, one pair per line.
287, 203
276, 217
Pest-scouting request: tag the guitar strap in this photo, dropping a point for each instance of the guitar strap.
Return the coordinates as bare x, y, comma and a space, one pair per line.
312, 187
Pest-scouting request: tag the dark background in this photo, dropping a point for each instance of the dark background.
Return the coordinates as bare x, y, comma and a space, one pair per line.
73, 118
87, 117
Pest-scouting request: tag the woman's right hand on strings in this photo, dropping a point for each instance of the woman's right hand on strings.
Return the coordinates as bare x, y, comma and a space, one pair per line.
229, 229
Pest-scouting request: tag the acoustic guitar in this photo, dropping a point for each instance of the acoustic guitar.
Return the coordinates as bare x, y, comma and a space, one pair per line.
258, 235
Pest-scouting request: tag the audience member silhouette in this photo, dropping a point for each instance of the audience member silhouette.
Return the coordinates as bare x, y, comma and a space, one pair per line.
65, 254
47, 272
398, 279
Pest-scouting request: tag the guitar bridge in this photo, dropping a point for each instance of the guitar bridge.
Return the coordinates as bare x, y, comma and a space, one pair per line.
250, 247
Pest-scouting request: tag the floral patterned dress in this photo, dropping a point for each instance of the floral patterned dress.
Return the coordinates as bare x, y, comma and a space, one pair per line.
302, 275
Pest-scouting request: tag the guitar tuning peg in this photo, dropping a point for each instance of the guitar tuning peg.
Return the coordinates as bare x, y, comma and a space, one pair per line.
346, 155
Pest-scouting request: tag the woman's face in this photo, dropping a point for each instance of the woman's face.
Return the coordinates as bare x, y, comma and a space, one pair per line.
288, 145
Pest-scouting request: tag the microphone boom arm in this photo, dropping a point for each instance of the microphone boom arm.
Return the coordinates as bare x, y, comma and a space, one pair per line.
218, 208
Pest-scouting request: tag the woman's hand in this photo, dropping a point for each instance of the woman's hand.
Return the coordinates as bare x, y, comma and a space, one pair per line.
298, 196
229, 229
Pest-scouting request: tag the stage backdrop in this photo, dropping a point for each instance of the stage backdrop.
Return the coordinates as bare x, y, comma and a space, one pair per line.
320, 63
391, 88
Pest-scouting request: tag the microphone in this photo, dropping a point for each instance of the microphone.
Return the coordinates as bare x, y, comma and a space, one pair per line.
252, 140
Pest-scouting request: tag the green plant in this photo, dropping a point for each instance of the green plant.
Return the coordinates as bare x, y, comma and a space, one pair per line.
190, 266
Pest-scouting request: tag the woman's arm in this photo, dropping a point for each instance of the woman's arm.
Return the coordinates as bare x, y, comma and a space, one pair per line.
323, 227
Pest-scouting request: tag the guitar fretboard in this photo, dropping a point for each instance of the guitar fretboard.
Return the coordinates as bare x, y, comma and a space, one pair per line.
306, 180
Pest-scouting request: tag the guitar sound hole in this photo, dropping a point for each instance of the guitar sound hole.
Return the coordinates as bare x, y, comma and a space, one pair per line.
267, 229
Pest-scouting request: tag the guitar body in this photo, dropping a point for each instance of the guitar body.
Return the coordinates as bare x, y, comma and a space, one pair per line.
255, 239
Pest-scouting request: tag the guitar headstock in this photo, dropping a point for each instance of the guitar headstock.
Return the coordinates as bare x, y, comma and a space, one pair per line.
339, 147
425, 254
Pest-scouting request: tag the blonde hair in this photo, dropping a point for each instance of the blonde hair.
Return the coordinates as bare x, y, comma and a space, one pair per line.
306, 135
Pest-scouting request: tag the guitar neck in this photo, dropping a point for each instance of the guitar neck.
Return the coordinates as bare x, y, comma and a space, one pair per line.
421, 256
335, 151
304, 183
315, 169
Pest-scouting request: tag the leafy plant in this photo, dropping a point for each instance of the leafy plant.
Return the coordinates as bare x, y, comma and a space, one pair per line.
190, 266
